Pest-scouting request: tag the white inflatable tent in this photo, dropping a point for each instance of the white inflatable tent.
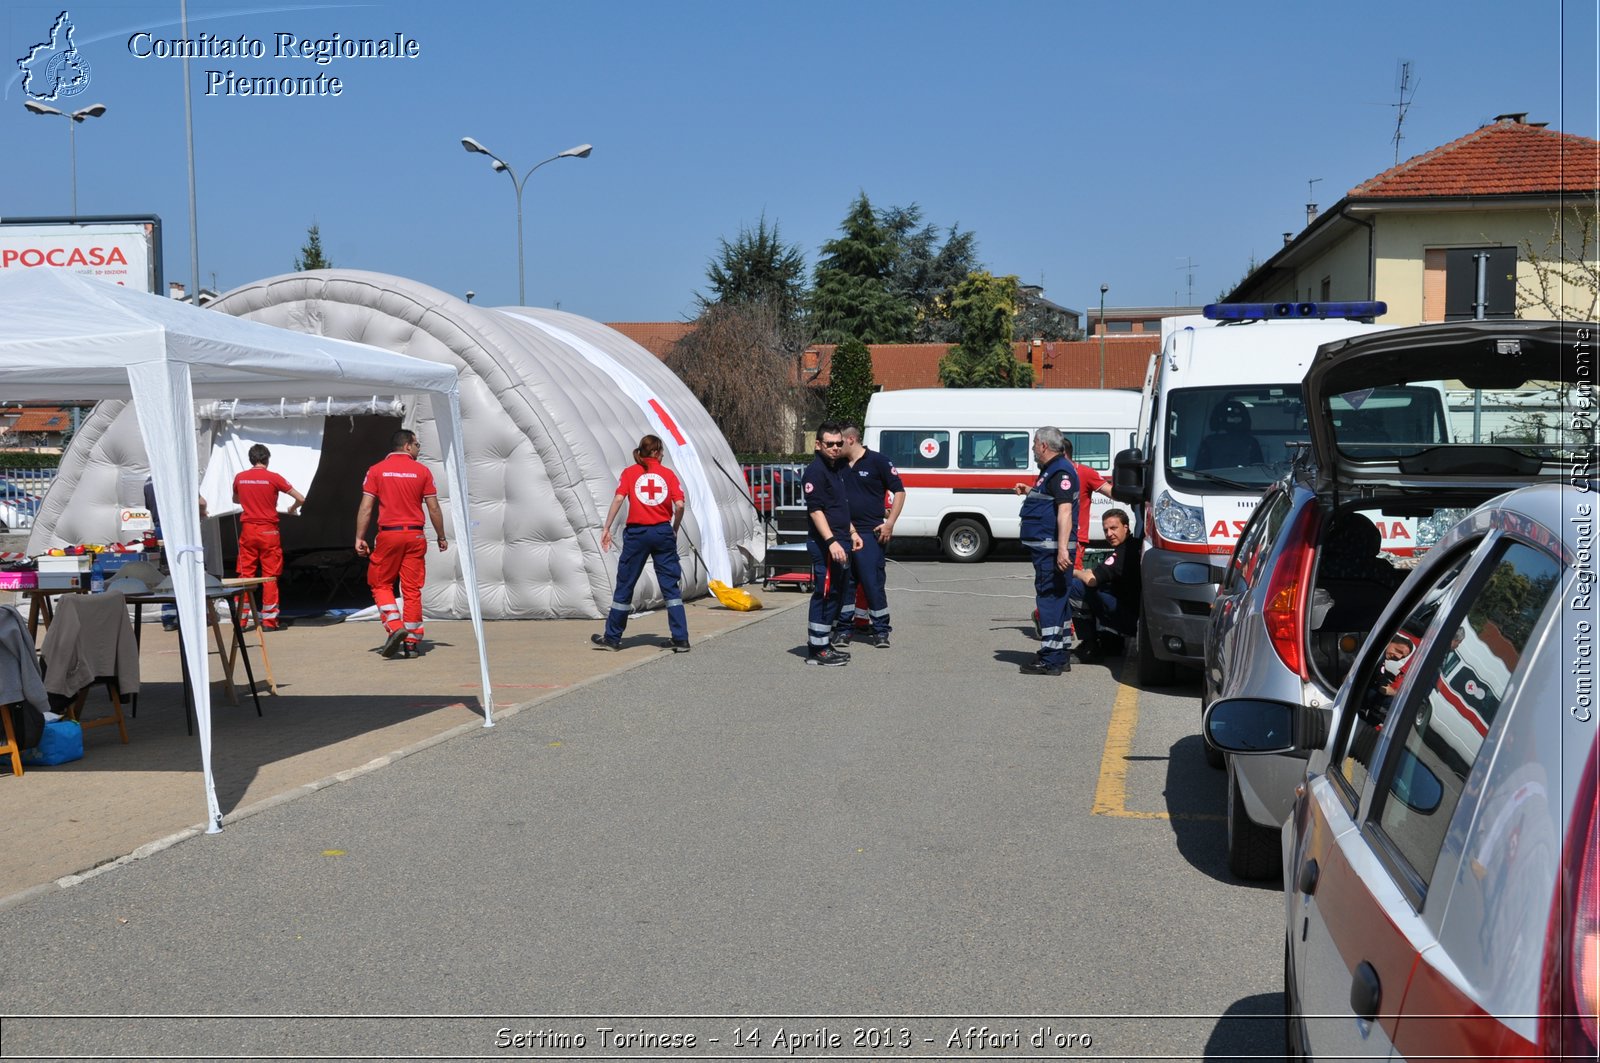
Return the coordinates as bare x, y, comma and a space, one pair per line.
552, 406
66, 337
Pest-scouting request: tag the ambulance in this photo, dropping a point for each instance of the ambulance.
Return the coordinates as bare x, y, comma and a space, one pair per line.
1220, 419
961, 451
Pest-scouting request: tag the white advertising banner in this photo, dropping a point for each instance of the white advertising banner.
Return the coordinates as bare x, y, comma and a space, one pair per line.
118, 251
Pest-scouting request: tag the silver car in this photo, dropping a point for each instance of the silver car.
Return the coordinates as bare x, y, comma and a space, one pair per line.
1442, 859
1396, 452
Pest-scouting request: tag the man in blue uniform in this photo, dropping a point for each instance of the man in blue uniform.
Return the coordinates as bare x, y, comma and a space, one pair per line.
1049, 510
831, 539
868, 477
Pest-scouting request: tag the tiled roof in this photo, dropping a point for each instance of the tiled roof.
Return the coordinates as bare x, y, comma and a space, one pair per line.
1056, 364
42, 420
657, 337
1506, 157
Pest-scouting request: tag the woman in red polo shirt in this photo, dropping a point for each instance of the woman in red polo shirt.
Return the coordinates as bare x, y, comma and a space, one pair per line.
654, 498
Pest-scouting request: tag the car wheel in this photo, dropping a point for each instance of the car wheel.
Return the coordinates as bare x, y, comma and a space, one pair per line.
1152, 671
1213, 754
1253, 850
965, 539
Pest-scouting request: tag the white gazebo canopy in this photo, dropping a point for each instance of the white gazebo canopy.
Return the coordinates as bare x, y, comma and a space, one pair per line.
65, 337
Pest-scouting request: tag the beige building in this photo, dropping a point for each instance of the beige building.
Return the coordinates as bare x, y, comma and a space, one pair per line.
1505, 216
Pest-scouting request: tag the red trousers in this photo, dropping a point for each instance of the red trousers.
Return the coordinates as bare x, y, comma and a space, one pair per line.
260, 545
402, 554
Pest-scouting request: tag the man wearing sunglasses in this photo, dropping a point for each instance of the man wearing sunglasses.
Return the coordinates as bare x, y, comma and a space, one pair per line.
830, 542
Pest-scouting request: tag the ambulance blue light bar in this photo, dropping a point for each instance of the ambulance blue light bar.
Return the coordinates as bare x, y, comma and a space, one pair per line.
1271, 311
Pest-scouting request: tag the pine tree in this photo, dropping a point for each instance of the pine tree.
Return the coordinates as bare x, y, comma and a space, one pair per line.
850, 298
850, 383
311, 256
758, 267
983, 308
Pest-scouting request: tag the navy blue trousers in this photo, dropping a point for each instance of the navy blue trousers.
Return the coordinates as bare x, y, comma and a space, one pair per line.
1091, 607
868, 569
658, 543
1050, 595
827, 593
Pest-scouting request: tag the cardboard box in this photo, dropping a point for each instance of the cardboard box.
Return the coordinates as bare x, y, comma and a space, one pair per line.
18, 581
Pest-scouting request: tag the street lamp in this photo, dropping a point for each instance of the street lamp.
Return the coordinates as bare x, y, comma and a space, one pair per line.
94, 110
1103, 289
580, 152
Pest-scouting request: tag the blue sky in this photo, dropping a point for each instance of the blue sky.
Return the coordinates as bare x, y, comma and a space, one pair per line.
1082, 143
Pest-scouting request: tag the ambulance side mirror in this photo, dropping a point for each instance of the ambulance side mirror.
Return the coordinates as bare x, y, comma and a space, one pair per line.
1130, 477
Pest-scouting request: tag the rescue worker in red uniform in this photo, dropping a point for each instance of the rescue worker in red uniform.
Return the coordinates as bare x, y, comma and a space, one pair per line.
256, 490
654, 498
400, 485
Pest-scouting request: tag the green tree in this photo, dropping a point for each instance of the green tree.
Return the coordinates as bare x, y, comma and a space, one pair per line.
311, 256
984, 308
850, 297
758, 267
850, 383
925, 271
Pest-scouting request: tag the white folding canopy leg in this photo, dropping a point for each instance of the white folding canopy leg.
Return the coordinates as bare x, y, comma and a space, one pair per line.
165, 401
447, 416
686, 460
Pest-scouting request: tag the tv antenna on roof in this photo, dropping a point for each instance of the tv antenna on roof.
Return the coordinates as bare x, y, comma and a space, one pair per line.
1407, 90
1189, 264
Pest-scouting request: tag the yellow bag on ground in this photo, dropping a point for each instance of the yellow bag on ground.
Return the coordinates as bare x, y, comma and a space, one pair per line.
734, 598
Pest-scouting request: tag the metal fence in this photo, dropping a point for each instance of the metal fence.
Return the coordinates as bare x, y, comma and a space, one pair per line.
21, 494
774, 484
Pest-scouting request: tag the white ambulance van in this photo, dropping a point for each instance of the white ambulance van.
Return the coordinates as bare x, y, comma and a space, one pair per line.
960, 451
1221, 418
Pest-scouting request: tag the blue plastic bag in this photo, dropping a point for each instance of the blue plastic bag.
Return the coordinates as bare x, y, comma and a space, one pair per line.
61, 743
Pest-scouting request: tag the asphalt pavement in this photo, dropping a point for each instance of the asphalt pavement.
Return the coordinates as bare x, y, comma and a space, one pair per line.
923, 854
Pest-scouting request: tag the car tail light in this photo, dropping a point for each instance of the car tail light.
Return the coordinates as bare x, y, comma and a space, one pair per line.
1570, 999
1288, 590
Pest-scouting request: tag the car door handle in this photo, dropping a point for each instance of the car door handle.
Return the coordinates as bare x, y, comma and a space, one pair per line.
1365, 991
1307, 881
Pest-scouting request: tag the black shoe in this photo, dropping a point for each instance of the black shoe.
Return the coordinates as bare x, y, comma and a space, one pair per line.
829, 658
680, 645
839, 640
1088, 654
1035, 668
880, 641
605, 643
391, 645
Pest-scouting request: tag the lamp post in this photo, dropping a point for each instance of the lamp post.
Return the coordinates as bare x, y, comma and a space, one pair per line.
580, 152
94, 110
1103, 289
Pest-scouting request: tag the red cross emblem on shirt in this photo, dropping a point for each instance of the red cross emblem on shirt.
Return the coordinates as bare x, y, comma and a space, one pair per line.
650, 489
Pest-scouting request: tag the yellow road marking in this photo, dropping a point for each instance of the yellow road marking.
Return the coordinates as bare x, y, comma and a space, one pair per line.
1111, 792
